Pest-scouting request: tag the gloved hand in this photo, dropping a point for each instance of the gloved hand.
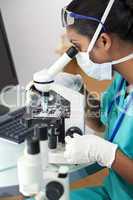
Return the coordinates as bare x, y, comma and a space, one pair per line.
90, 148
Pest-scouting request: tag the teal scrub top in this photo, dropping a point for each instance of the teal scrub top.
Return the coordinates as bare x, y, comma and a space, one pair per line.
116, 186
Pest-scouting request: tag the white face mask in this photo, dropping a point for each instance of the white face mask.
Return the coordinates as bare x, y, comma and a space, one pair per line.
94, 70
97, 71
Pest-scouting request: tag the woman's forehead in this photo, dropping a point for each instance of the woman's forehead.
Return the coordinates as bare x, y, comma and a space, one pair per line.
74, 36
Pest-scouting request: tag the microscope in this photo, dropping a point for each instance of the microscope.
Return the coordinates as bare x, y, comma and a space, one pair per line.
59, 108
53, 112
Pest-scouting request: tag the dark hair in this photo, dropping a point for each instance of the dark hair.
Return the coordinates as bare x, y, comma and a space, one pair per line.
119, 21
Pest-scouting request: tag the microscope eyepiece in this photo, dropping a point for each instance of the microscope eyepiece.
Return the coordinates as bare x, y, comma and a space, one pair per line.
72, 52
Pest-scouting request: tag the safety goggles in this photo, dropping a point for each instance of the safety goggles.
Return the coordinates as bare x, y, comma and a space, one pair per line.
68, 18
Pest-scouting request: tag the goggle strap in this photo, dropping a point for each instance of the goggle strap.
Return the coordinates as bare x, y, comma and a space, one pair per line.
77, 16
100, 26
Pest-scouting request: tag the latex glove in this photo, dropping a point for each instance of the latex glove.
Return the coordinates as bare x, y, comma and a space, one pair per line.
90, 148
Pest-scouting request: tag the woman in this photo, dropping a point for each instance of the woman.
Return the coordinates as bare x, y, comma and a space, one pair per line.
103, 34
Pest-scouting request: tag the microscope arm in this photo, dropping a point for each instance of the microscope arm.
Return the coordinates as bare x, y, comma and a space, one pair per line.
46, 76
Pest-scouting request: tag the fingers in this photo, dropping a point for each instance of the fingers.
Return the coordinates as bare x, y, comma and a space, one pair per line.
68, 139
76, 135
71, 150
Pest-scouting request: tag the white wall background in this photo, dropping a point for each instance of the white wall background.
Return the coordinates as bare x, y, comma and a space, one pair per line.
33, 28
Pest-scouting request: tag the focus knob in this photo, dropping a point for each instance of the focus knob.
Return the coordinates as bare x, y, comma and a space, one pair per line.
73, 130
54, 190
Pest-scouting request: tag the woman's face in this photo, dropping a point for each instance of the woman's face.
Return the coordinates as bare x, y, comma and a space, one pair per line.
100, 52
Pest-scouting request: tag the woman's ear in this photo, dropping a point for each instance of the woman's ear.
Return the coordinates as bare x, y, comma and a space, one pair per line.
104, 42
102, 51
